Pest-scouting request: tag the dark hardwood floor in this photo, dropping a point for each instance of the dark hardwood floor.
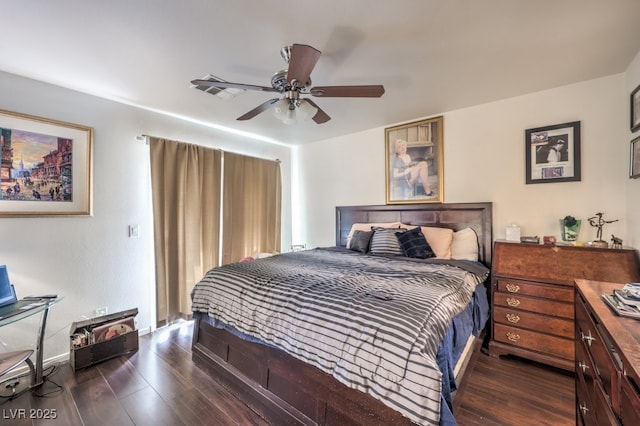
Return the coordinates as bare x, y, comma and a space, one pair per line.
512, 391
160, 385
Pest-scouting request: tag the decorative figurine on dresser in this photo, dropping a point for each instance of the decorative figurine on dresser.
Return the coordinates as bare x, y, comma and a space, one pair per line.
616, 242
532, 289
598, 222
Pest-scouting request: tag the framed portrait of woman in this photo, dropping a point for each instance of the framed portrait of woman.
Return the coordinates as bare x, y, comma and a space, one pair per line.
414, 162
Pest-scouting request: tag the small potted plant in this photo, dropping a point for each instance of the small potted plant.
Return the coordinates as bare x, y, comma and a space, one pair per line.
569, 228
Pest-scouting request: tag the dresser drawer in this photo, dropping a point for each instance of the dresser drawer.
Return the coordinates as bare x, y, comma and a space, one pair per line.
612, 343
531, 340
584, 365
550, 325
534, 304
526, 288
585, 412
593, 407
602, 406
629, 403
598, 348
563, 264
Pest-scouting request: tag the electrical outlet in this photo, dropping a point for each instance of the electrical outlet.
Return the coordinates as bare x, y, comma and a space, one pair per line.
102, 311
134, 231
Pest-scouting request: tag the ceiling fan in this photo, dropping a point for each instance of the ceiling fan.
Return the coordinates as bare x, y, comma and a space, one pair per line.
292, 83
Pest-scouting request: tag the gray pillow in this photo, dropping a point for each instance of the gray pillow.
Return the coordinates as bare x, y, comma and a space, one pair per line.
360, 241
414, 244
385, 241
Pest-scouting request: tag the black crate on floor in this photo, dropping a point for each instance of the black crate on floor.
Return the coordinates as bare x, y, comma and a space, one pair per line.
99, 339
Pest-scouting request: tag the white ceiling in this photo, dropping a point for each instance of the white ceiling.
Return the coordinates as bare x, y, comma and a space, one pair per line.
432, 56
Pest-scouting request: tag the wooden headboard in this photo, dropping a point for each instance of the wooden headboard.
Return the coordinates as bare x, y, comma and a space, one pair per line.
477, 216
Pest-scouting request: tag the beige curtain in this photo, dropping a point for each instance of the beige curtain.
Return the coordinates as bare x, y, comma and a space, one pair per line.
251, 207
185, 183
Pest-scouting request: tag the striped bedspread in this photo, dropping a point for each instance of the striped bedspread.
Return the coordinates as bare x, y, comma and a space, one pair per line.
374, 323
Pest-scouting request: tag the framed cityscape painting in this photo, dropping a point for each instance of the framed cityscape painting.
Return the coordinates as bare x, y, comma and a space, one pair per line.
45, 167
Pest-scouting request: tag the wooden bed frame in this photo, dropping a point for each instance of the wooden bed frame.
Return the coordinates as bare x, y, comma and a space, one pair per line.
286, 391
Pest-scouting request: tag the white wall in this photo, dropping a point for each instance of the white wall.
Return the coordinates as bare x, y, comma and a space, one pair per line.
90, 260
633, 185
484, 161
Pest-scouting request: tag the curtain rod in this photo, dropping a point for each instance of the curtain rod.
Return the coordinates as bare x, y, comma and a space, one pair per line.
145, 138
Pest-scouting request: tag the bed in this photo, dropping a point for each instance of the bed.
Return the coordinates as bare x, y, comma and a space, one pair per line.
336, 354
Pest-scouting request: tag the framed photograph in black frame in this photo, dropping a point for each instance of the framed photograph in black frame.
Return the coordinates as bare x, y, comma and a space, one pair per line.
634, 164
552, 153
635, 109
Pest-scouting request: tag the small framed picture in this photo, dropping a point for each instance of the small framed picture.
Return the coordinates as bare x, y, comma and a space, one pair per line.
634, 165
552, 153
635, 109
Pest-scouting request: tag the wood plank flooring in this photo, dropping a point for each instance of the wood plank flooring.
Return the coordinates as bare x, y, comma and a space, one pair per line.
160, 385
513, 391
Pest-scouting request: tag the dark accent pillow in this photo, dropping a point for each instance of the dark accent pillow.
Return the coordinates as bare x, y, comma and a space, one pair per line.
384, 241
360, 241
414, 244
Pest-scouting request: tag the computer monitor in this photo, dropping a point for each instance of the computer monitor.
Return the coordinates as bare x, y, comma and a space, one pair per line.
7, 292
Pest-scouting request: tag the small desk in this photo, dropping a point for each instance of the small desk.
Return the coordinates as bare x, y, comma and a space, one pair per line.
38, 379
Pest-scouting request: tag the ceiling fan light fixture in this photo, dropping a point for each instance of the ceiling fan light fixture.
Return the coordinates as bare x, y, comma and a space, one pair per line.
290, 117
283, 112
290, 83
306, 110
285, 52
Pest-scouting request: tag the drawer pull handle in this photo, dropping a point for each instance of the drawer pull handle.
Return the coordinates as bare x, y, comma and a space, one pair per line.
513, 288
587, 338
583, 365
584, 409
513, 337
513, 318
512, 301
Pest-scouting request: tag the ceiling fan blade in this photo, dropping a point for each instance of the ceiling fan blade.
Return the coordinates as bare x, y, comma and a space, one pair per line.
371, 91
303, 60
257, 110
228, 85
320, 116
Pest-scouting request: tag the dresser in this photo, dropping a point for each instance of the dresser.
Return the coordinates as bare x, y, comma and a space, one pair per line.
533, 296
607, 365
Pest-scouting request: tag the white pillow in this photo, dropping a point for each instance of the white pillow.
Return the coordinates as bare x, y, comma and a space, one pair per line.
262, 255
465, 245
367, 227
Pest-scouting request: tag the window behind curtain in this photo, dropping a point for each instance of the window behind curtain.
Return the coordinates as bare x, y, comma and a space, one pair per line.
185, 181
186, 187
251, 207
